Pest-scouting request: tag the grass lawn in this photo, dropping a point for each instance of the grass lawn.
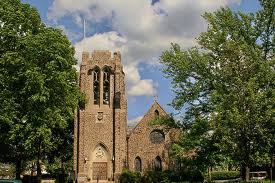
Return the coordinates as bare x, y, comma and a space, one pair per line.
268, 181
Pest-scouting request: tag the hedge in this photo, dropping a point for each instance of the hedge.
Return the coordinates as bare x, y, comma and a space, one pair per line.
225, 175
161, 177
130, 177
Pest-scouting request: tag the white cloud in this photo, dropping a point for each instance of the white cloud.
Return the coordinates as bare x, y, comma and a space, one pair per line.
105, 41
90, 8
141, 31
148, 27
143, 87
112, 41
133, 122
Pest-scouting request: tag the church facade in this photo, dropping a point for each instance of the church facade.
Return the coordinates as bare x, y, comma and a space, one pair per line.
103, 144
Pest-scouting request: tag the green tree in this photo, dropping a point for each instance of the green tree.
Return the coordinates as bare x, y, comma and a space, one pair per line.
228, 82
38, 85
60, 160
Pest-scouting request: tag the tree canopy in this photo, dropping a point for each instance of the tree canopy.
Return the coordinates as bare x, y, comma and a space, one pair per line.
227, 84
38, 84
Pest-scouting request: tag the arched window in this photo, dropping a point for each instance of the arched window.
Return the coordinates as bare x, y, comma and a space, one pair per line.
138, 167
157, 137
106, 85
96, 86
156, 113
157, 164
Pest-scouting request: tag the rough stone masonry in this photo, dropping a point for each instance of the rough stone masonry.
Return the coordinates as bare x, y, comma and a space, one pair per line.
103, 144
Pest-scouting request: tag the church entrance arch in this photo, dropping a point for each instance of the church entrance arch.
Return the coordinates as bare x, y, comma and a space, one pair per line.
100, 165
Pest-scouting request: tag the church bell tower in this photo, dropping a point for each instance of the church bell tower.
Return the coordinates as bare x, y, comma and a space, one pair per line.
100, 127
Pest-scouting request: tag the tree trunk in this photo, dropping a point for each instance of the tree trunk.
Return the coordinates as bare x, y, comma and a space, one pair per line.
209, 173
271, 174
62, 175
271, 165
247, 170
38, 167
18, 168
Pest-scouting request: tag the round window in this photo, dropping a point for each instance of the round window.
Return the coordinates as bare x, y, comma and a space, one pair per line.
157, 137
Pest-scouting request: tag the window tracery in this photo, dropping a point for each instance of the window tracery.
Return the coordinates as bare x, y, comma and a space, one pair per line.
106, 86
157, 137
96, 85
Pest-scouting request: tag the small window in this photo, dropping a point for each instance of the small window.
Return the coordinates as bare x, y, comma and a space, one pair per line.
138, 167
156, 113
157, 164
117, 100
157, 137
90, 72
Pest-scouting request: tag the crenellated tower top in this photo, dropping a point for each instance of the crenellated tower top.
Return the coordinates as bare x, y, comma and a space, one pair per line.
100, 55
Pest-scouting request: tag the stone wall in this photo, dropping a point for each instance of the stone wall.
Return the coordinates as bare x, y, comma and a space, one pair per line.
140, 145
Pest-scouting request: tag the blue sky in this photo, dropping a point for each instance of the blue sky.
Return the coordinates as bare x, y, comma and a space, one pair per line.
140, 30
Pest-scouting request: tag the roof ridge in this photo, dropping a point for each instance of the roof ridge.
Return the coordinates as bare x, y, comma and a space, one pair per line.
154, 103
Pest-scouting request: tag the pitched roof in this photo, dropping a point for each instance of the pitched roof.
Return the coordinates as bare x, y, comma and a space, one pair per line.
155, 106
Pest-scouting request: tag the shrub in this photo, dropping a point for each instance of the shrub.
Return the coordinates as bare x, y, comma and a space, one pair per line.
195, 176
225, 175
130, 177
152, 177
148, 177
186, 175
161, 177
169, 175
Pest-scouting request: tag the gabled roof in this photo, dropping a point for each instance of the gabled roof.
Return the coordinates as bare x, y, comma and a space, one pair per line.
155, 106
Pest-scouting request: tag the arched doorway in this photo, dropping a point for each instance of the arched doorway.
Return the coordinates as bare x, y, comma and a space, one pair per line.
100, 165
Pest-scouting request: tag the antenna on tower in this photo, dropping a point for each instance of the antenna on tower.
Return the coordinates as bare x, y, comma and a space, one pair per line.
84, 28
155, 96
84, 34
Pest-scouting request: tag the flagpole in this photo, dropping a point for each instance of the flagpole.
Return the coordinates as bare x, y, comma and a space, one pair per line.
84, 28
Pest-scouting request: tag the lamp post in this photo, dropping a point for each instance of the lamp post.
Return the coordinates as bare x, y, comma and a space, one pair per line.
113, 160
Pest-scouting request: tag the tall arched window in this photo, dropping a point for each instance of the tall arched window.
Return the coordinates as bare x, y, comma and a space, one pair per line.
138, 167
106, 85
96, 86
157, 164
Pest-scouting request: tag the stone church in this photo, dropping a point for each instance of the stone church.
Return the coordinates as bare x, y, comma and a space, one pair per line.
103, 144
